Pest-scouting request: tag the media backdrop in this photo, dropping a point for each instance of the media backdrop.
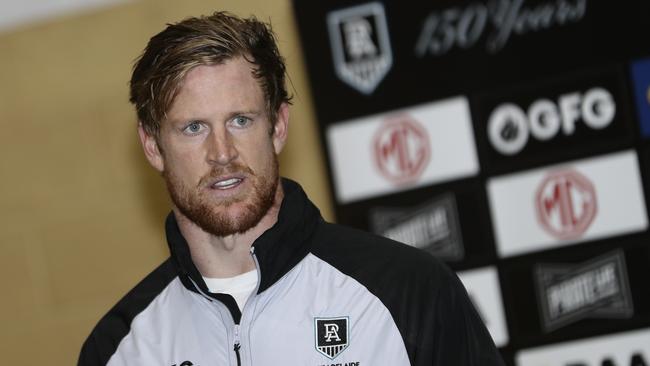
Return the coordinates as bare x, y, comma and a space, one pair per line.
510, 139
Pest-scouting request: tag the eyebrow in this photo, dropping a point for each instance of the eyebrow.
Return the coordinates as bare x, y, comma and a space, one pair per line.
248, 112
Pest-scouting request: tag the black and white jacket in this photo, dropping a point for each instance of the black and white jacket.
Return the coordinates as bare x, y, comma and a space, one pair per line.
327, 295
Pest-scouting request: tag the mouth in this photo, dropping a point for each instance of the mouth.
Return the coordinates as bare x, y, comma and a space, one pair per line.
227, 183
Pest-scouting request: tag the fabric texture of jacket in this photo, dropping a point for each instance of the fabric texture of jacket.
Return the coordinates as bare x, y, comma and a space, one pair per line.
327, 295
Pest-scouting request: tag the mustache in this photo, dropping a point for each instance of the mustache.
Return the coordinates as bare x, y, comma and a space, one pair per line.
220, 171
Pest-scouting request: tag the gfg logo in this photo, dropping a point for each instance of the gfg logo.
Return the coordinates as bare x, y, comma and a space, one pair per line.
401, 149
509, 126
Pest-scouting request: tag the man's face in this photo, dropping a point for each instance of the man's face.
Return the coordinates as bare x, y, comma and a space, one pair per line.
217, 148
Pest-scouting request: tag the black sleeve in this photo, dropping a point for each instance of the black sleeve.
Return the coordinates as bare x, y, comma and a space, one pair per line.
104, 339
459, 336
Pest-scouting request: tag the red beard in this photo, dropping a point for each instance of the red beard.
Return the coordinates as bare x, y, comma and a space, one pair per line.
216, 218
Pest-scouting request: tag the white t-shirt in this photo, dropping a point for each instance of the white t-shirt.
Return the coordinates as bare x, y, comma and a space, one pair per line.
240, 287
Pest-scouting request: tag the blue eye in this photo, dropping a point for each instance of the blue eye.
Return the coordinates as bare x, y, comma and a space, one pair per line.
241, 121
193, 128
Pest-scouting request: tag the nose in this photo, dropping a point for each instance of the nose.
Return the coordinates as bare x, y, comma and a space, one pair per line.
221, 147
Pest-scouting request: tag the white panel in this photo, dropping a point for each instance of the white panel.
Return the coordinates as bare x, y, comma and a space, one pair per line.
620, 205
452, 153
483, 287
619, 348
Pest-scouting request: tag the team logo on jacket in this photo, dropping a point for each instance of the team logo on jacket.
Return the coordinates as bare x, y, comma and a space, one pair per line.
566, 204
402, 149
596, 289
360, 45
331, 335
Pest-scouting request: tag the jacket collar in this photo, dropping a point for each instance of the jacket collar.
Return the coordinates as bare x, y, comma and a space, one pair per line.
277, 250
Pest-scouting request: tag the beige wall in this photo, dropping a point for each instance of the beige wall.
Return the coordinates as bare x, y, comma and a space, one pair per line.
81, 211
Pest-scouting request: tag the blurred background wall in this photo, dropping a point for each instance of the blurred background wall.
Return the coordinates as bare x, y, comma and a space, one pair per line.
81, 211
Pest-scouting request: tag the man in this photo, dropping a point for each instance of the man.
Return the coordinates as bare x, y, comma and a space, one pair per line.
256, 277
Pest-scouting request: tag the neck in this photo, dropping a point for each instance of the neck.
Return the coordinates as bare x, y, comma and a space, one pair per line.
226, 256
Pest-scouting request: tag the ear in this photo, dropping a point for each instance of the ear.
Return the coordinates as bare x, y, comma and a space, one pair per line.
151, 150
281, 128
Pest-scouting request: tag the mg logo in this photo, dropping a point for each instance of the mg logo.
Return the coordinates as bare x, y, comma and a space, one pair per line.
360, 45
331, 335
401, 149
566, 204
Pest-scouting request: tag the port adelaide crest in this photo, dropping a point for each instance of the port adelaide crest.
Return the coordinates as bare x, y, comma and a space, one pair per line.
332, 335
360, 45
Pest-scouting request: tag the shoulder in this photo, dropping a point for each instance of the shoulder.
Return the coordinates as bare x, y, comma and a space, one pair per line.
345, 244
116, 324
427, 301
378, 262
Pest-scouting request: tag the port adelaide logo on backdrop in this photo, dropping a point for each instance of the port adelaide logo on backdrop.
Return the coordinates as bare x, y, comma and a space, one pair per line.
360, 45
332, 335
598, 288
401, 149
433, 227
566, 204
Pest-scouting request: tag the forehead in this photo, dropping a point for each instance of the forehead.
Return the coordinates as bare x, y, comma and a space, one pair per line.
222, 87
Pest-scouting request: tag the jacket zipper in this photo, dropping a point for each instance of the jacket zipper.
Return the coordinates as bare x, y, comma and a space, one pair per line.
237, 345
237, 342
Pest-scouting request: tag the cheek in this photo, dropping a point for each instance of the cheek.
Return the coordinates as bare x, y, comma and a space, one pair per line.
186, 166
256, 149
266, 154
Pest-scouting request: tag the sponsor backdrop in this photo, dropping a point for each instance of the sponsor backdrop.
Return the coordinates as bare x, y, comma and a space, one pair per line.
509, 138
